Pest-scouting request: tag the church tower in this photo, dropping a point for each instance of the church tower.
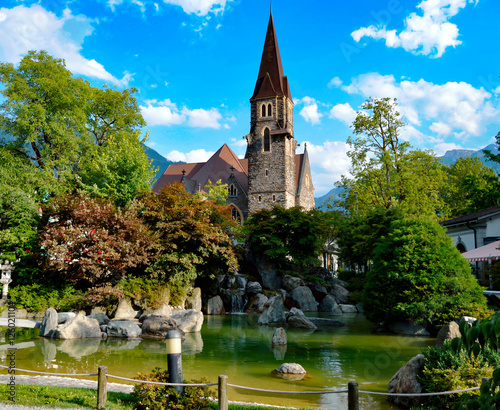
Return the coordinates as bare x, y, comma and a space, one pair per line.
271, 145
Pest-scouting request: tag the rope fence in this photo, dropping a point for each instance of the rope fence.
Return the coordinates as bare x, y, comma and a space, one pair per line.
352, 390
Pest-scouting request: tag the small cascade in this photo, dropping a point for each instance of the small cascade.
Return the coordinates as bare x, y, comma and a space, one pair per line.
237, 302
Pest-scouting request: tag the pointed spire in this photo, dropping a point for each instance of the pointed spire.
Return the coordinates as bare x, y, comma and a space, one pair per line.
275, 83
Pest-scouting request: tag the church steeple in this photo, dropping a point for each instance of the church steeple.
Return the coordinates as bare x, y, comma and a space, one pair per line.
271, 81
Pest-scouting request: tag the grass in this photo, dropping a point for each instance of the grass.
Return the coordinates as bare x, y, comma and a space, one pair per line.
71, 398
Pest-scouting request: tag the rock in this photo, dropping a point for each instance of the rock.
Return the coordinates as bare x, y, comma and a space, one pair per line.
291, 282
80, 327
194, 301
241, 282
103, 328
318, 290
348, 309
158, 326
336, 312
274, 312
123, 328
253, 288
49, 322
279, 337
408, 328
360, 308
97, 309
327, 304
164, 310
320, 321
189, 320
63, 317
449, 331
271, 279
340, 294
101, 318
215, 306
296, 318
257, 303
125, 310
303, 299
292, 368
405, 381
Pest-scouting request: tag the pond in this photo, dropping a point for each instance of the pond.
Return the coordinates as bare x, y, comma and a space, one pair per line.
237, 346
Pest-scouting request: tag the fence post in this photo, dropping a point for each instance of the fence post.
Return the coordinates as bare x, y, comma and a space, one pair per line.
102, 386
352, 396
223, 400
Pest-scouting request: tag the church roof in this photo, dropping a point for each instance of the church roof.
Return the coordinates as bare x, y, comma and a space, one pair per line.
196, 175
271, 81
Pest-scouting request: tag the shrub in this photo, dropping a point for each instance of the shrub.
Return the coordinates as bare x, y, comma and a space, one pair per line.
419, 275
155, 397
36, 297
153, 291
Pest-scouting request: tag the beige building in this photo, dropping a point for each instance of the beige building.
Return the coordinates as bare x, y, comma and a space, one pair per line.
271, 172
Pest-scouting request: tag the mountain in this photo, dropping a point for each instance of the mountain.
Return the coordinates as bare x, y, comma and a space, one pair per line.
159, 161
449, 158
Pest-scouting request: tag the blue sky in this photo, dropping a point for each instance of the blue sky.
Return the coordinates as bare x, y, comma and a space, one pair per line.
195, 63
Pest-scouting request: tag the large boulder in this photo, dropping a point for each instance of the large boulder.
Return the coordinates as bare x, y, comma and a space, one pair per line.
448, 331
123, 328
256, 303
405, 381
408, 328
215, 306
321, 321
49, 322
266, 269
63, 317
296, 318
126, 311
164, 310
158, 326
194, 301
348, 308
279, 337
274, 312
80, 327
328, 304
253, 288
102, 318
291, 282
303, 299
318, 290
189, 320
340, 294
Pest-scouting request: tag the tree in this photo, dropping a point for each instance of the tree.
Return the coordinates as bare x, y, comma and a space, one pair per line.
290, 237
91, 242
194, 235
489, 155
419, 275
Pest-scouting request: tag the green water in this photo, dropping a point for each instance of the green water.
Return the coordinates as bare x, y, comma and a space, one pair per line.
237, 346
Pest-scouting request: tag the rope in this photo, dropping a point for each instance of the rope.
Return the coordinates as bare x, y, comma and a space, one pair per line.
162, 384
51, 374
441, 393
286, 392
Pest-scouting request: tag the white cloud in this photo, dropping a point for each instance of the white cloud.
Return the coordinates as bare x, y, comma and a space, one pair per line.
441, 149
451, 106
429, 33
197, 155
343, 112
199, 7
33, 28
334, 82
166, 112
310, 111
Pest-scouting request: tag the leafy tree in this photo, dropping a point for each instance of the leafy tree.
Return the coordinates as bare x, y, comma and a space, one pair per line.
489, 155
419, 275
217, 192
290, 237
194, 235
89, 241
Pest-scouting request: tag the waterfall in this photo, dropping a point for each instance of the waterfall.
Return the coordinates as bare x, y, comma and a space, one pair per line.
237, 302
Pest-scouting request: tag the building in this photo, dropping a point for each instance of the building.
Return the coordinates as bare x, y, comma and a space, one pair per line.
271, 172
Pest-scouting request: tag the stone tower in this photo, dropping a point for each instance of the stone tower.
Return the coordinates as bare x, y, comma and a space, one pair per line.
271, 145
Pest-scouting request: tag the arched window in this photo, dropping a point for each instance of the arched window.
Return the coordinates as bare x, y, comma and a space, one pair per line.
232, 190
267, 140
264, 110
461, 247
236, 214
269, 110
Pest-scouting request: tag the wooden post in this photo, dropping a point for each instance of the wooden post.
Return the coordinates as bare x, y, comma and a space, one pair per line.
102, 387
223, 400
352, 396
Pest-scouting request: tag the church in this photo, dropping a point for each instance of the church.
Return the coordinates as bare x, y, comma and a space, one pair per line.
271, 172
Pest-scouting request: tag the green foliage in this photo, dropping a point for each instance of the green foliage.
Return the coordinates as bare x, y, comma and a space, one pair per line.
217, 192
419, 275
489, 155
290, 237
493, 272
155, 397
37, 298
90, 242
194, 235
151, 290
106, 296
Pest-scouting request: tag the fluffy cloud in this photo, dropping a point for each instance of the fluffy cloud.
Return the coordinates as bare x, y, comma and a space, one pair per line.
452, 107
167, 113
33, 28
198, 7
310, 110
197, 155
343, 112
429, 33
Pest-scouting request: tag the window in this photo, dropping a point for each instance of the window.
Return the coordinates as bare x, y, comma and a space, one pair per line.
274, 198
267, 172
269, 110
267, 140
260, 198
233, 191
263, 110
236, 214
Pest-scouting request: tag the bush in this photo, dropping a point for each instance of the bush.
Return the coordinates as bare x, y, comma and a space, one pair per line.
418, 275
152, 291
155, 397
36, 297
